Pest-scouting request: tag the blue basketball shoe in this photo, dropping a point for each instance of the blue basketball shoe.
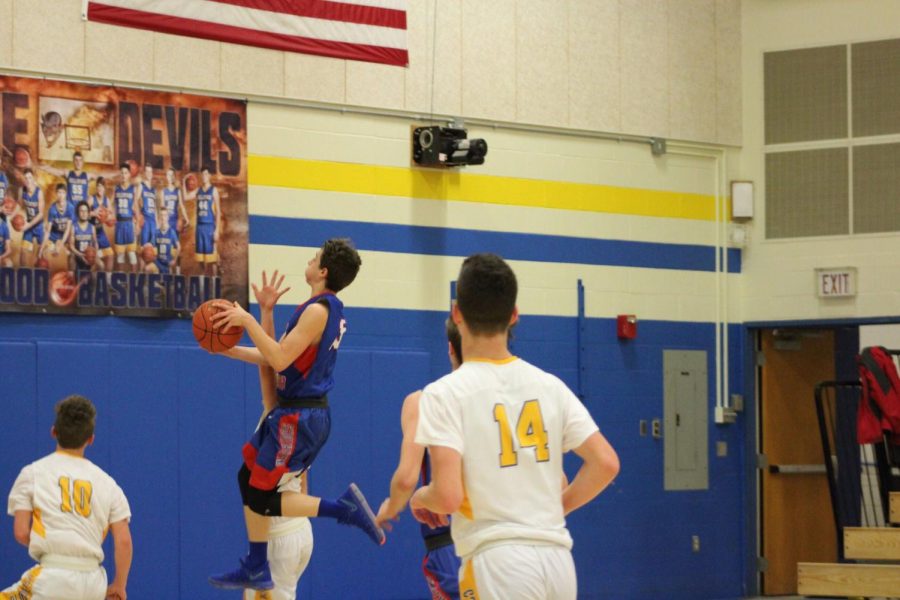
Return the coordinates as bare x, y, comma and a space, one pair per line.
359, 514
243, 578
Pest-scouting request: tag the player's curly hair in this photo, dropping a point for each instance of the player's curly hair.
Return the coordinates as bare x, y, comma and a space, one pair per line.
486, 293
340, 257
75, 417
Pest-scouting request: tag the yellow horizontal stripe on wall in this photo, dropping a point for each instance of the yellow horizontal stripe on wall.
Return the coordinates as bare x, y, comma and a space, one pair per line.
465, 187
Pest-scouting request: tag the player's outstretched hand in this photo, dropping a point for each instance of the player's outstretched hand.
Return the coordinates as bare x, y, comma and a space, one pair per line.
231, 314
268, 294
383, 519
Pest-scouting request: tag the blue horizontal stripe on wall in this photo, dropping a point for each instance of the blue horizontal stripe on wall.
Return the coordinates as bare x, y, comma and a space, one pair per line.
442, 241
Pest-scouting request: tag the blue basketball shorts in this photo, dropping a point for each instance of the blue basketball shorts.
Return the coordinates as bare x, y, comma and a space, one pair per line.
441, 569
124, 235
288, 440
102, 240
148, 229
205, 245
33, 236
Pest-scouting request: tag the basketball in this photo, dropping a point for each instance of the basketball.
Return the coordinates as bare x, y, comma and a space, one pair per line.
111, 220
42, 263
9, 206
148, 253
18, 222
103, 214
90, 255
211, 337
63, 288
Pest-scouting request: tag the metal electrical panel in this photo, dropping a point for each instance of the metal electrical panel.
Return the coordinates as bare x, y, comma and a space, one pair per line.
686, 414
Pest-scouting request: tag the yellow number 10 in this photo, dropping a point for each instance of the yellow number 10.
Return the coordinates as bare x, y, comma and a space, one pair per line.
529, 431
80, 491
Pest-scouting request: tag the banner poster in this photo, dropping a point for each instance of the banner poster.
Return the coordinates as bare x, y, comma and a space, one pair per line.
120, 201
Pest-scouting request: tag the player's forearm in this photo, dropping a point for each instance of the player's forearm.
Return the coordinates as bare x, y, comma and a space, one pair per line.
124, 552
271, 350
246, 354
591, 479
438, 500
401, 491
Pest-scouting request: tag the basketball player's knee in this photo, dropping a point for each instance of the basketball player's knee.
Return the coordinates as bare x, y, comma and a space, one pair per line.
120, 258
132, 257
264, 502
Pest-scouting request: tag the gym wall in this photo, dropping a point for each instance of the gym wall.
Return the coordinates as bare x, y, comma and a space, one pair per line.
778, 278
638, 230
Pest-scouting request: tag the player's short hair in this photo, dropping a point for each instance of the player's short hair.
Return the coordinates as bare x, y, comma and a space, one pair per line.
80, 204
60, 186
486, 293
454, 338
77, 154
101, 181
74, 425
206, 168
27, 171
171, 168
125, 165
340, 257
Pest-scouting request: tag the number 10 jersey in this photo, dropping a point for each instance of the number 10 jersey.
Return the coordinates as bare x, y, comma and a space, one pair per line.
73, 502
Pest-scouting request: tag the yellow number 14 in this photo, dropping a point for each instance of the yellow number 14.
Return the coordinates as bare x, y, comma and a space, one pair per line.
530, 433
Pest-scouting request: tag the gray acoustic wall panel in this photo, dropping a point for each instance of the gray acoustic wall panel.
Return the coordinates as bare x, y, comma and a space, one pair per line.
807, 193
876, 87
806, 94
876, 188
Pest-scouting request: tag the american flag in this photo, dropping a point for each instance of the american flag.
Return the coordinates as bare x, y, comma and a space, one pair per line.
367, 30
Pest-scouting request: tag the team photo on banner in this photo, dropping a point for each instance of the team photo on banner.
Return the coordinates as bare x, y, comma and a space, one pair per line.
120, 201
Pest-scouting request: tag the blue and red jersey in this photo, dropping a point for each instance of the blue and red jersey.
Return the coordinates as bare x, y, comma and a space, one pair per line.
311, 375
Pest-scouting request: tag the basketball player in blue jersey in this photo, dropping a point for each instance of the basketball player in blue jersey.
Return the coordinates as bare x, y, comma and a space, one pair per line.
165, 240
441, 565
5, 244
83, 236
209, 222
32, 202
290, 543
98, 201
125, 198
295, 431
147, 201
174, 203
58, 226
77, 181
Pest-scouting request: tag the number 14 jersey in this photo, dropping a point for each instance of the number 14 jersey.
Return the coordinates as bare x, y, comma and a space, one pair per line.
512, 423
73, 502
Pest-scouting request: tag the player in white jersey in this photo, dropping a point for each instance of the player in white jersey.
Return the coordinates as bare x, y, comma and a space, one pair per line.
63, 506
290, 539
496, 429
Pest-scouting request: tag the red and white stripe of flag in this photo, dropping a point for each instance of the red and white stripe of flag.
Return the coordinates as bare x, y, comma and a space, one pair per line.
367, 30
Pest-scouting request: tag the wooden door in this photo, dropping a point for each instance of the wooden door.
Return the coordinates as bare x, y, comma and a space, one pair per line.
797, 522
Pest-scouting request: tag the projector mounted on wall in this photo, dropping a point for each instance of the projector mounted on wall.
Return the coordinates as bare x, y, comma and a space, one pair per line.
436, 146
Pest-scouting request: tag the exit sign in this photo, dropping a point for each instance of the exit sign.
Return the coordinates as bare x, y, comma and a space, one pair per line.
836, 283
